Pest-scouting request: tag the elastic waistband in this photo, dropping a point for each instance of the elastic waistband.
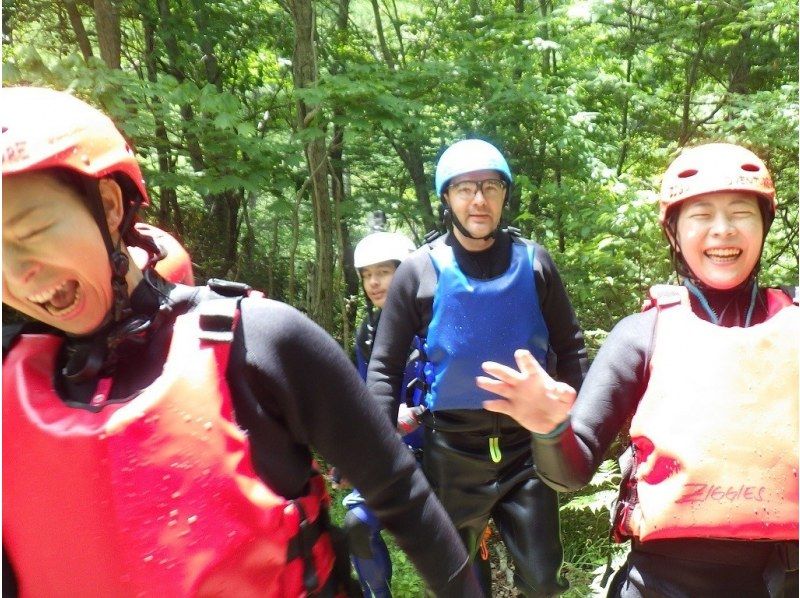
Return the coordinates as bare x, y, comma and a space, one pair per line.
751, 554
477, 421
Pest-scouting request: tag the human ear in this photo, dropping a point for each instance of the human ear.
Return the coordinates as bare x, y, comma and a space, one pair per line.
111, 196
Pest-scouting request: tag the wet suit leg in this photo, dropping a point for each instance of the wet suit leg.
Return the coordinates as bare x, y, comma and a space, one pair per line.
472, 488
527, 519
368, 551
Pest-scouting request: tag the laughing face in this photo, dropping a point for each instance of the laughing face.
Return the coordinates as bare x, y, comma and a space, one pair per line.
720, 237
55, 265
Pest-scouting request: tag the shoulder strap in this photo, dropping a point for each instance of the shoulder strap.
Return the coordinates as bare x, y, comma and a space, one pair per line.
432, 235
666, 295
791, 291
230, 288
218, 319
219, 310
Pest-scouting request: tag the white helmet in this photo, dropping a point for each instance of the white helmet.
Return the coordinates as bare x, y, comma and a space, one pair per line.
381, 247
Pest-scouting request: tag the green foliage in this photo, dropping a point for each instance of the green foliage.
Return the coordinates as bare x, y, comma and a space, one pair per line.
590, 100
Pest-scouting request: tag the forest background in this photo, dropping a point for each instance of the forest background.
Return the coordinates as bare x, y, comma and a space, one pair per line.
270, 129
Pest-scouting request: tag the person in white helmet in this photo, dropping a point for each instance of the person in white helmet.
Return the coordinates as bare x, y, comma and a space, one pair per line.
376, 258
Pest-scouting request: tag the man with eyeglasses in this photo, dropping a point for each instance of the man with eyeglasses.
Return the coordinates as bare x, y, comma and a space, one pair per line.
475, 294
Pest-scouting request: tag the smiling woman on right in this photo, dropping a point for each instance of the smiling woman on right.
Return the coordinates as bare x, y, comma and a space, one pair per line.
708, 377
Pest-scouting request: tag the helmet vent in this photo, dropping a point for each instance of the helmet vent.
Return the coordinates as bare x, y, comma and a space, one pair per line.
687, 173
751, 167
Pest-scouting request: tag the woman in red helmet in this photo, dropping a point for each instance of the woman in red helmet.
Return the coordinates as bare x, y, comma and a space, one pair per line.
709, 375
156, 437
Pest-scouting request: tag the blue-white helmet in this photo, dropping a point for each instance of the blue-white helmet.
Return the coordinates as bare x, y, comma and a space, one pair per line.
467, 156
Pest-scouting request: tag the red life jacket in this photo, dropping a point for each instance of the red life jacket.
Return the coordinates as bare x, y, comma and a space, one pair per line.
715, 435
152, 496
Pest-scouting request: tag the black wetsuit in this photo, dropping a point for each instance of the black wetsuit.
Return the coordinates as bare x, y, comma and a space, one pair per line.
293, 388
567, 459
470, 485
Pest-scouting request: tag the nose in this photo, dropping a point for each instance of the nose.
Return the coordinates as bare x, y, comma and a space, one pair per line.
479, 194
722, 225
18, 269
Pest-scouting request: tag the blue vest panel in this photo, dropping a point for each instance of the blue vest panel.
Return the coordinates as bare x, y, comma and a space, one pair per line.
479, 320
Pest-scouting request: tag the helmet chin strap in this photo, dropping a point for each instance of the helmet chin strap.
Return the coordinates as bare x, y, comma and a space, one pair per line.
118, 260
451, 220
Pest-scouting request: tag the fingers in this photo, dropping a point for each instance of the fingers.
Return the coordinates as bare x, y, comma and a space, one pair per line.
503, 372
499, 406
495, 386
526, 363
564, 393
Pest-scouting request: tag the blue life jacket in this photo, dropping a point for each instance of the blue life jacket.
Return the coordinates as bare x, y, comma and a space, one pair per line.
412, 390
479, 320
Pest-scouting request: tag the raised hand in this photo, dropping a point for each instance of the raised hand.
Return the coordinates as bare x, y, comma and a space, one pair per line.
532, 397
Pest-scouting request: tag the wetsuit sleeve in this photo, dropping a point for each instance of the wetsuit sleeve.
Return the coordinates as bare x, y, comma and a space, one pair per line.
10, 589
361, 362
566, 337
567, 458
401, 320
303, 374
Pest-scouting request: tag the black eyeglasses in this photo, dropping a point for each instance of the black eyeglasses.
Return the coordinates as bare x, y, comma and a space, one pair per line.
490, 188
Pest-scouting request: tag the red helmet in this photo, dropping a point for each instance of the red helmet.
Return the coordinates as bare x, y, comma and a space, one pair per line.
43, 128
175, 266
714, 167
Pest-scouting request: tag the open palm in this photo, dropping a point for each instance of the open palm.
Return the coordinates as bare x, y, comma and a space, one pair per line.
531, 396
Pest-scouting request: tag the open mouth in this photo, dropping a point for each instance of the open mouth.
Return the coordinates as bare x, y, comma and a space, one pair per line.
723, 256
59, 300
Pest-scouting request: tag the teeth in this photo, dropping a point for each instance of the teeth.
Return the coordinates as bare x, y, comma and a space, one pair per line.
723, 252
65, 310
45, 296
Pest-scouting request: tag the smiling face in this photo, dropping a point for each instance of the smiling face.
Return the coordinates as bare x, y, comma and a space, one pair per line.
719, 236
376, 280
55, 264
478, 214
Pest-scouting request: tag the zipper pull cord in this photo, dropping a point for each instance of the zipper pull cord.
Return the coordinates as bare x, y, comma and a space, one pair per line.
494, 449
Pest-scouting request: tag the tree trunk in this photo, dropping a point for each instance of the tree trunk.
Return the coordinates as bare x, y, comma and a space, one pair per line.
168, 196
351, 282
273, 260
304, 70
687, 128
387, 55
80, 31
740, 64
106, 15
292, 292
209, 58
623, 153
410, 153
